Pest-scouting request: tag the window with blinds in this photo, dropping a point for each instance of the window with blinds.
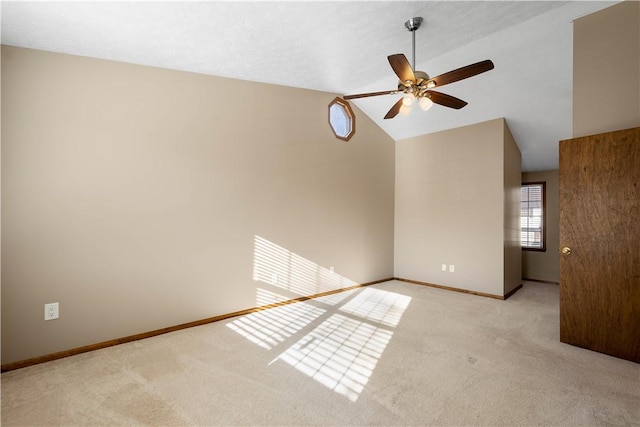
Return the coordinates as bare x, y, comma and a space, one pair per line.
532, 216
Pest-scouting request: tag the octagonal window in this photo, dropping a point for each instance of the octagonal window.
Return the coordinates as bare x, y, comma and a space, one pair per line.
341, 119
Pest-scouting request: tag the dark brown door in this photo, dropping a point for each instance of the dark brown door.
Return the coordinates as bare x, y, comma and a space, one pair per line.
600, 243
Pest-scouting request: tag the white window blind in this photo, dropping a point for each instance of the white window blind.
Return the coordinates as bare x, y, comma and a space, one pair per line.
532, 231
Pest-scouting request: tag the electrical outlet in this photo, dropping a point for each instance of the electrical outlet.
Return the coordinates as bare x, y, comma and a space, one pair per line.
452, 268
51, 311
274, 279
444, 267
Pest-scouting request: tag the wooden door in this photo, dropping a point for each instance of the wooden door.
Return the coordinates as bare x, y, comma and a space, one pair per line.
600, 223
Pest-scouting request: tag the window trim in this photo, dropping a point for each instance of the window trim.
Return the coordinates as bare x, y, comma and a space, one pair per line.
544, 217
350, 115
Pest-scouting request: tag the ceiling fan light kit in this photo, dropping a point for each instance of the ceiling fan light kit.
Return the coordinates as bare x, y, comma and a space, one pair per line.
417, 85
425, 103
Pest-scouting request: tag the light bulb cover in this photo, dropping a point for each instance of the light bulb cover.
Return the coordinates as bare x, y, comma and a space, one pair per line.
425, 103
407, 100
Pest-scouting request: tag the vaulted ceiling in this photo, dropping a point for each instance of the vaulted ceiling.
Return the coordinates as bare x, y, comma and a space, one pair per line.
342, 47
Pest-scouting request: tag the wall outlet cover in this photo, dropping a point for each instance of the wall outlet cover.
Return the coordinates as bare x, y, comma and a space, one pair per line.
51, 311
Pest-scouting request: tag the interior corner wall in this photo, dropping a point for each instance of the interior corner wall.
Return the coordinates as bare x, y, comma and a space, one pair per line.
606, 70
141, 198
512, 201
449, 208
545, 265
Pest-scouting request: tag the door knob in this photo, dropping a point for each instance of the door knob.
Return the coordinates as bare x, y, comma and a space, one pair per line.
566, 250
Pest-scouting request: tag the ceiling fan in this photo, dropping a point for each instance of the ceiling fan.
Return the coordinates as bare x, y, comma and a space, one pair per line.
417, 85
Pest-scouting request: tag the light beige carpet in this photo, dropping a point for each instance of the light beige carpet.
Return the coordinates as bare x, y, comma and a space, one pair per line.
389, 354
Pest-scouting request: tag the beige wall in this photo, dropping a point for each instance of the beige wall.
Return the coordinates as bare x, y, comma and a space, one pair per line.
606, 70
450, 194
140, 198
545, 265
512, 161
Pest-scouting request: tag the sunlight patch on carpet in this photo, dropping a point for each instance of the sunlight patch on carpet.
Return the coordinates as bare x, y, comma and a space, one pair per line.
341, 353
336, 298
378, 306
268, 328
344, 334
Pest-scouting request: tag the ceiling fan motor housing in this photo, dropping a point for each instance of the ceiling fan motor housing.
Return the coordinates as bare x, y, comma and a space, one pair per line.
419, 89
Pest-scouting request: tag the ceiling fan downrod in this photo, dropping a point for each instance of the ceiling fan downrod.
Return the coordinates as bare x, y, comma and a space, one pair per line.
412, 25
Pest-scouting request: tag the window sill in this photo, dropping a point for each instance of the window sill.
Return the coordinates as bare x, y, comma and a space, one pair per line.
535, 249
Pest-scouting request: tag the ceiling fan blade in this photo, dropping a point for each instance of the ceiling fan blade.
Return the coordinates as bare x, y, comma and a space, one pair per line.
463, 73
446, 100
364, 95
401, 67
394, 110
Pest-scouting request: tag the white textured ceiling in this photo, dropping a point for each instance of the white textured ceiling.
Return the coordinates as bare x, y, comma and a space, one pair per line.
342, 47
